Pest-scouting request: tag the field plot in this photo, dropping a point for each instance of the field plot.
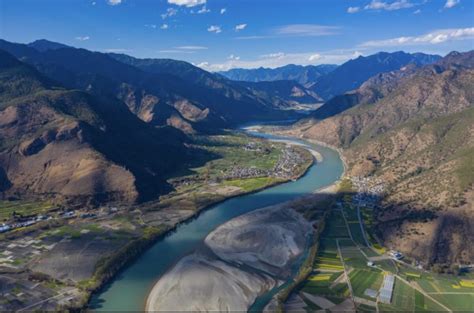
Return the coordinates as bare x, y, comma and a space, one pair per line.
362, 280
403, 298
22, 208
353, 257
356, 232
335, 226
324, 285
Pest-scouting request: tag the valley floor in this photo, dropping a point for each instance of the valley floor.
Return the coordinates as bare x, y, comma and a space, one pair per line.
55, 258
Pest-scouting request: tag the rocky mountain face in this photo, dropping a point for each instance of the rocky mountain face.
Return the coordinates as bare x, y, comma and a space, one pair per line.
415, 131
353, 73
71, 146
160, 92
304, 75
374, 89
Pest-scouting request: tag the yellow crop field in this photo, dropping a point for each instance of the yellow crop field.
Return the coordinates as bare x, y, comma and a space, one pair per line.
320, 277
330, 267
467, 283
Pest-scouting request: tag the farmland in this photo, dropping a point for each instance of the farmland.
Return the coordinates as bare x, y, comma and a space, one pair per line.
342, 248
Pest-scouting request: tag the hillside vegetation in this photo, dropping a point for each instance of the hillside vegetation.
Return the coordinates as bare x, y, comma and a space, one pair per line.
417, 135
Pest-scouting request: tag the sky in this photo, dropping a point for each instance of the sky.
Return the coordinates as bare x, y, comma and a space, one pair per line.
223, 34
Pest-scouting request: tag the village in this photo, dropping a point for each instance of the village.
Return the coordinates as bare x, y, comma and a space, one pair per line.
285, 168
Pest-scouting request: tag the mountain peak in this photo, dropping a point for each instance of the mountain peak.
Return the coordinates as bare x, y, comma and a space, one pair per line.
42, 45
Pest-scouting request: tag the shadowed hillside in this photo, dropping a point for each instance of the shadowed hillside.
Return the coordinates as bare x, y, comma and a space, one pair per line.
73, 146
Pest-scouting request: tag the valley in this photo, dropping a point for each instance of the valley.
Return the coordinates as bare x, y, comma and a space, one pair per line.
228, 156
72, 253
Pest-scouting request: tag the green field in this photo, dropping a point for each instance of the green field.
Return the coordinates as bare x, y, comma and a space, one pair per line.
335, 226
25, 208
251, 184
449, 290
365, 279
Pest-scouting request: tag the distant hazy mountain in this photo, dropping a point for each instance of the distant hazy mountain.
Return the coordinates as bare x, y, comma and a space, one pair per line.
304, 75
72, 146
353, 73
413, 129
164, 92
282, 93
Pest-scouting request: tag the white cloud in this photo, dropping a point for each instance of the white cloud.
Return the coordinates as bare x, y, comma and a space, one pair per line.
435, 37
164, 26
82, 38
175, 51
277, 59
314, 57
417, 11
203, 64
117, 50
169, 13
151, 26
233, 57
223, 10
214, 29
94, 3
389, 6
277, 55
187, 3
353, 9
306, 30
191, 47
203, 10
451, 3
240, 27
114, 2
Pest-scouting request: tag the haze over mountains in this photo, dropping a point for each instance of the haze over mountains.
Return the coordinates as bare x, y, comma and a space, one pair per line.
330, 80
304, 75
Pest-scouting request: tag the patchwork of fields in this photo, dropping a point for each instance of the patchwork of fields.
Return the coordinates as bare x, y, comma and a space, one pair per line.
343, 254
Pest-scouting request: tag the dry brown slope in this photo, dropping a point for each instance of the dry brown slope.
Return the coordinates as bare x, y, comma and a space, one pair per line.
68, 145
419, 140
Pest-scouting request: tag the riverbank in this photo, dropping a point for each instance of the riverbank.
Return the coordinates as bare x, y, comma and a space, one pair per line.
254, 250
190, 235
283, 131
248, 241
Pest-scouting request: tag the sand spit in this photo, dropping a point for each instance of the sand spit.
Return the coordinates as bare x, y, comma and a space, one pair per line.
266, 239
200, 284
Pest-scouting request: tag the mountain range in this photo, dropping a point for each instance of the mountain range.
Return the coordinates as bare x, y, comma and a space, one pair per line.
160, 92
412, 129
304, 75
72, 146
79, 126
328, 81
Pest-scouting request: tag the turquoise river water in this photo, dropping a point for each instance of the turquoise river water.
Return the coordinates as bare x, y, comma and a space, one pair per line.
129, 289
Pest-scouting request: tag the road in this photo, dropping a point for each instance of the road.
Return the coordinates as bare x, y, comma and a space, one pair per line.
29, 307
345, 272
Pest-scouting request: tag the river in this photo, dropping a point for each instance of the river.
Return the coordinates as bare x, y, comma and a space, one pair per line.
129, 289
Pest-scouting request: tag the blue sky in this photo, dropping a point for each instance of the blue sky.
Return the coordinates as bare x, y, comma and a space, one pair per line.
221, 34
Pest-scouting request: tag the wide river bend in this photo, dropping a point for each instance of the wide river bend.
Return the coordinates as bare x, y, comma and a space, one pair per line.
129, 289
